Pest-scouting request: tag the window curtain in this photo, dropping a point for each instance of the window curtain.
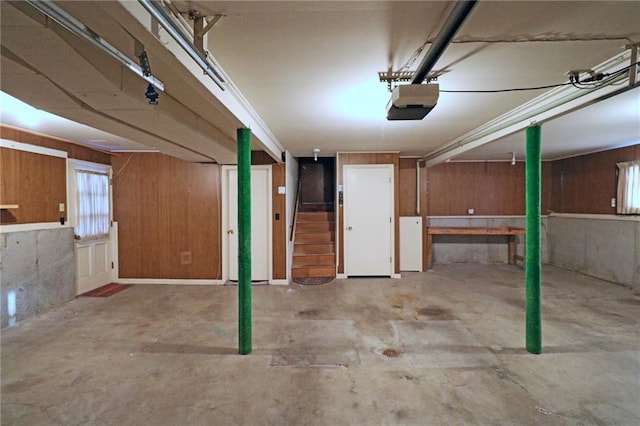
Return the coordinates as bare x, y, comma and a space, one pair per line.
629, 187
93, 205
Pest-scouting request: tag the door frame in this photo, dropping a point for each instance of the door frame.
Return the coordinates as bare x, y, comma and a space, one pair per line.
225, 219
392, 236
72, 166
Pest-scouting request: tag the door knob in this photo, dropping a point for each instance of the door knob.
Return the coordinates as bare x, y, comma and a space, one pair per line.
349, 228
230, 231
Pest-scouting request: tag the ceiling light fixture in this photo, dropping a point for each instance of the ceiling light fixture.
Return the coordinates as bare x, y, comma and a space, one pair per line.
78, 28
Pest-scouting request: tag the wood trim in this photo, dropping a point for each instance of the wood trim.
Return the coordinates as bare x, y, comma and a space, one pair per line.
455, 230
73, 149
509, 231
279, 227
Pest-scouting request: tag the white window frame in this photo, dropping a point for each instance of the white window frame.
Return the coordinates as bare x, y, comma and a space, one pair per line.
74, 166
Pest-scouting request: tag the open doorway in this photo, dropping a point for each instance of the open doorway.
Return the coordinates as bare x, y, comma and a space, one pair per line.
317, 184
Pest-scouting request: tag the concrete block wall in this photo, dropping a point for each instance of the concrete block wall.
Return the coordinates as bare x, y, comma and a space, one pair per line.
37, 272
602, 246
478, 248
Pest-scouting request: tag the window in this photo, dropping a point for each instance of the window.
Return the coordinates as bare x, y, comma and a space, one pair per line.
92, 221
629, 187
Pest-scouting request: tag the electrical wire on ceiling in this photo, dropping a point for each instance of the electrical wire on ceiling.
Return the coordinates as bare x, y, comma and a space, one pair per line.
517, 39
594, 81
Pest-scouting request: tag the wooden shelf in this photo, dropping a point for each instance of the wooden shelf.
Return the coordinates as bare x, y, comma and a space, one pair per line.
8, 206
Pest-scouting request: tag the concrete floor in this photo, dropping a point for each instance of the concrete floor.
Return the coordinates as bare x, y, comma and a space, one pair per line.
437, 348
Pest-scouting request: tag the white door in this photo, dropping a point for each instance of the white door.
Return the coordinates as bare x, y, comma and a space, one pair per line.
368, 221
95, 260
260, 223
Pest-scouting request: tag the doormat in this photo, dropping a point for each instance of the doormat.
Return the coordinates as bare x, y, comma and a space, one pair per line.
107, 290
313, 280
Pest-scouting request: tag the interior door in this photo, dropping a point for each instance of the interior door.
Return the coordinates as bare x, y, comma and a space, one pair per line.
260, 223
368, 221
95, 260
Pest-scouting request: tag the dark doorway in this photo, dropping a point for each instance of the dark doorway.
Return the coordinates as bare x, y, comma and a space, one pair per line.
317, 184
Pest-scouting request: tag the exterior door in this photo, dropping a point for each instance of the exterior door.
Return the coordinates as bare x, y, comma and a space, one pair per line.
95, 260
260, 223
368, 221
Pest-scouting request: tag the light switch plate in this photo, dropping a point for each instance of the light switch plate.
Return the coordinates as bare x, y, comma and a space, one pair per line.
471, 211
282, 190
61, 207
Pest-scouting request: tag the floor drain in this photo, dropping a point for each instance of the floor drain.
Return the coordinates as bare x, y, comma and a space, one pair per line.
391, 353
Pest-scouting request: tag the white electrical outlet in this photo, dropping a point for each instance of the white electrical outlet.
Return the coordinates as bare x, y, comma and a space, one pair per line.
471, 211
613, 202
61, 207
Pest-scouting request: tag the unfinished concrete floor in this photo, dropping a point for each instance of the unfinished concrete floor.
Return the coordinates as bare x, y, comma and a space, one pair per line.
437, 348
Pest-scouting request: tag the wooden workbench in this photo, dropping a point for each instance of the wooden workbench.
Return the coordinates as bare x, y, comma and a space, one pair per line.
509, 231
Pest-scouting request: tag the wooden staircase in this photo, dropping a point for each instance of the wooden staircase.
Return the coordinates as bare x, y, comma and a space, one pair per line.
314, 252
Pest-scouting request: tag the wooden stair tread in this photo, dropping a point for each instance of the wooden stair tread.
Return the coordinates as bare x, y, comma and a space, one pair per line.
314, 252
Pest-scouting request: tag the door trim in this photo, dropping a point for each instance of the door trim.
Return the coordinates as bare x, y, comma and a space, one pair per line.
390, 167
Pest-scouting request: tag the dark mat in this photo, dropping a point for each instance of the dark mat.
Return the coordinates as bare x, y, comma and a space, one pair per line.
107, 290
313, 280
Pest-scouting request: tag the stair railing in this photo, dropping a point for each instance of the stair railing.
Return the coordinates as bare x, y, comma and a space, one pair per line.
295, 210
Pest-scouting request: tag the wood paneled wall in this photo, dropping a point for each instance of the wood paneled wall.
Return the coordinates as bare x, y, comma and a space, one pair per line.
74, 151
586, 184
490, 188
37, 183
370, 158
407, 176
279, 218
168, 214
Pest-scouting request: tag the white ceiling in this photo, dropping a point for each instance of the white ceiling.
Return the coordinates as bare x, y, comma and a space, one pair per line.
309, 69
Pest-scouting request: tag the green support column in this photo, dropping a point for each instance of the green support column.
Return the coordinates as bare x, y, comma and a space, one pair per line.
533, 266
244, 241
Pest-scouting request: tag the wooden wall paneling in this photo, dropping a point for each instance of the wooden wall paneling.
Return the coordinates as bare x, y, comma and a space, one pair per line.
168, 214
407, 184
556, 187
204, 207
587, 183
490, 188
37, 183
75, 151
279, 227
547, 187
370, 158
10, 166
261, 158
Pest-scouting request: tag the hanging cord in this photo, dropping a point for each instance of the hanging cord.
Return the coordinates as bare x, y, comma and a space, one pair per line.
595, 81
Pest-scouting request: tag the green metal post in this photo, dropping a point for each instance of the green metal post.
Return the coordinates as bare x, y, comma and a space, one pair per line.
533, 267
244, 241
